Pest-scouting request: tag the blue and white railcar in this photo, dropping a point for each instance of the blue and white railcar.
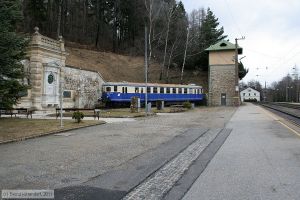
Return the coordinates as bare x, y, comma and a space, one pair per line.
122, 92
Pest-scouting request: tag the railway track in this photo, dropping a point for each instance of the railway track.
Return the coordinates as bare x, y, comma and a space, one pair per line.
288, 111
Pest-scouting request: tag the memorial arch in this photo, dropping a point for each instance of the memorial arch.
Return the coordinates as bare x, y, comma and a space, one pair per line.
46, 74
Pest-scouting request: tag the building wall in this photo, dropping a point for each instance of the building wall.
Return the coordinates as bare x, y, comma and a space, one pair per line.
221, 57
221, 80
85, 87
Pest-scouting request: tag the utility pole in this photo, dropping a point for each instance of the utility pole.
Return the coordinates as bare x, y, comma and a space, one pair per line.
146, 71
237, 103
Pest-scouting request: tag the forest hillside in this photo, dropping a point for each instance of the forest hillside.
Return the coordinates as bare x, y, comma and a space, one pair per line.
116, 67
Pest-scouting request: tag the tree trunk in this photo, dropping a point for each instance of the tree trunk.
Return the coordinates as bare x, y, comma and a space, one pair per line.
166, 45
58, 19
184, 58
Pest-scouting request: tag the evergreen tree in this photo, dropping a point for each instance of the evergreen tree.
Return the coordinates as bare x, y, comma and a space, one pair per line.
242, 71
209, 35
12, 50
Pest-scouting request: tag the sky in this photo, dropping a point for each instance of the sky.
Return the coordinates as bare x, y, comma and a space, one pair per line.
271, 29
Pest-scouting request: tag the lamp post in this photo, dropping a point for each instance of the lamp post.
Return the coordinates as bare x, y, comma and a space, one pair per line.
61, 83
287, 93
297, 82
242, 58
276, 95
146, 70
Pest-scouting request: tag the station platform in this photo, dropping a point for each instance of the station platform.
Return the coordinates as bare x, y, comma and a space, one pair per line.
259, 160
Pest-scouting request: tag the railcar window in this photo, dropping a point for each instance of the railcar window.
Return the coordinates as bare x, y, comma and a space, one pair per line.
154, 89
161, 90
124, 89
136, 90
148, 89
115, 88
191, 91
142, 90
108, 89
179, 90
185, 90
168, 90
174, 91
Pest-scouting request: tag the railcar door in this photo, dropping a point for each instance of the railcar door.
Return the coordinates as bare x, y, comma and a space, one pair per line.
223, 99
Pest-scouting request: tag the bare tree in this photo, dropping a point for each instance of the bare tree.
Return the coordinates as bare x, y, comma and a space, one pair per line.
59, 18
184, 58
153, 8
169, 16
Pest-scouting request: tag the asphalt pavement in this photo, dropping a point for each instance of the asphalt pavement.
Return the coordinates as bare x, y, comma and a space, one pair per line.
80, 160
259, 160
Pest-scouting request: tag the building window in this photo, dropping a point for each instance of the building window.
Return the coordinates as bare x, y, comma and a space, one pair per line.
254, 94
67, 94
249, 94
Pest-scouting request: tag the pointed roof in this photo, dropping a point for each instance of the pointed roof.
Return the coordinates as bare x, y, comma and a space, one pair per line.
224, 45
250, 89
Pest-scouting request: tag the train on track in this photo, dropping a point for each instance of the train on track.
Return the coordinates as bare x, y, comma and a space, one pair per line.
117, 93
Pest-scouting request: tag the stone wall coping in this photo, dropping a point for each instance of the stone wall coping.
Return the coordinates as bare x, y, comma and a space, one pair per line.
89, 70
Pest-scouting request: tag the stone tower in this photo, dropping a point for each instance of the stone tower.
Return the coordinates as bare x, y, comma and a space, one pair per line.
222, 86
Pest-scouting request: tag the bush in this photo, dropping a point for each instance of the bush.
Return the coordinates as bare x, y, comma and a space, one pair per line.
187, 105
78, 116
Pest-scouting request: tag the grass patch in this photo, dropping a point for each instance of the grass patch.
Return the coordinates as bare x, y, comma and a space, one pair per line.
107, 113
167, 110
17, 129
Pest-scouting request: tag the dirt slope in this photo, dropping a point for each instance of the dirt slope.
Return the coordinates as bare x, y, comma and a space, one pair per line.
115, 67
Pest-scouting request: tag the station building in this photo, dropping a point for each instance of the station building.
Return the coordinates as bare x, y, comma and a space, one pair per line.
250, 94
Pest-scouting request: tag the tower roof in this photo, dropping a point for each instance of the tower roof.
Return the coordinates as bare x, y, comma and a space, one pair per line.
224, 45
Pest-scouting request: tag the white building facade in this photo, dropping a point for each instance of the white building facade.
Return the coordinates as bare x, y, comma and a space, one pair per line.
250, 94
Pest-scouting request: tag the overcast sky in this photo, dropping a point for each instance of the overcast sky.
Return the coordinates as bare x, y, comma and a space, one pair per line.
271, 28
